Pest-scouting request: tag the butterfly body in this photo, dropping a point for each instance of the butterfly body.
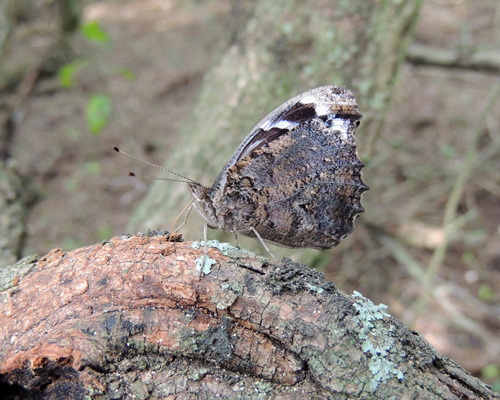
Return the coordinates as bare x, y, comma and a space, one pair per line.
296, 178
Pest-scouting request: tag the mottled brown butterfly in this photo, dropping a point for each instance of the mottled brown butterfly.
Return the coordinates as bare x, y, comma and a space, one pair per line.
295, 180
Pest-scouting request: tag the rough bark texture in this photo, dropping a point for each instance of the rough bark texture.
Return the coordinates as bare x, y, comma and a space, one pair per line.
275, 50
133, 318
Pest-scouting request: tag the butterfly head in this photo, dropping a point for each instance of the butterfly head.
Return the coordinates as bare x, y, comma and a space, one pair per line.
203, 203
198, 191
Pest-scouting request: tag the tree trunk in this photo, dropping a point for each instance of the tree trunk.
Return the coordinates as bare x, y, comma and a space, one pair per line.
276, 50
133, 318
16, 195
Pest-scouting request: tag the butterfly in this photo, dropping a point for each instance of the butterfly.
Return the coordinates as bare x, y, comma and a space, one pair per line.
295, 180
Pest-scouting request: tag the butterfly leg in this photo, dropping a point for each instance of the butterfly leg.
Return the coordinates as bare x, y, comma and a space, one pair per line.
205, 240
263, 243
236, 238
190, 207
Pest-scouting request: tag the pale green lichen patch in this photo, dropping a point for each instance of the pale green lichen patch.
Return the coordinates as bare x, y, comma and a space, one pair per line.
224, 248
377, 340
230, 292
139, 390
204, 264
262, 387
201, 244
314, 288
368, 312
233, 285
197, 374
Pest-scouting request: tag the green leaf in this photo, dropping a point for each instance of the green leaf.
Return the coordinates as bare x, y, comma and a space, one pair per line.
97, 112
72, 184
104, 233
469, 257
127, 74
93, 31
448, 150
485, 292
67, 72
491, 371
92, 167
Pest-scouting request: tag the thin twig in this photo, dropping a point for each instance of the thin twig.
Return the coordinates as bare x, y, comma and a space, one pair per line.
400, 253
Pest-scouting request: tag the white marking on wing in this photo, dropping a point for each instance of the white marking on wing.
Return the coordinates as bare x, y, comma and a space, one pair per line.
341, 125
281, 124
308, 99
322, 109
266, 125
285, 124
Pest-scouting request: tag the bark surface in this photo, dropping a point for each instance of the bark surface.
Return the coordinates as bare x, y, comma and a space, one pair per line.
134, 318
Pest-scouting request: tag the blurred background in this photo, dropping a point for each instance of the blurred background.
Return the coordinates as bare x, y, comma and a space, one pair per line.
78, 77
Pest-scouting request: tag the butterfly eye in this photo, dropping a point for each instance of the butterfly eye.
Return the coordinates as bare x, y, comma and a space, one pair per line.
199, 191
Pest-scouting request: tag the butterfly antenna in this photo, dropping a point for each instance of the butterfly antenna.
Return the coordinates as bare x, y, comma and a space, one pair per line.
156, 166
156, 178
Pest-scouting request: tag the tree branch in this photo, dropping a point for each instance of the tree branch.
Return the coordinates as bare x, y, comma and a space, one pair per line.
133, 317
485, 61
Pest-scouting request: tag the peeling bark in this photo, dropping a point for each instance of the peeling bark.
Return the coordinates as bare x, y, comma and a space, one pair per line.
133, 318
